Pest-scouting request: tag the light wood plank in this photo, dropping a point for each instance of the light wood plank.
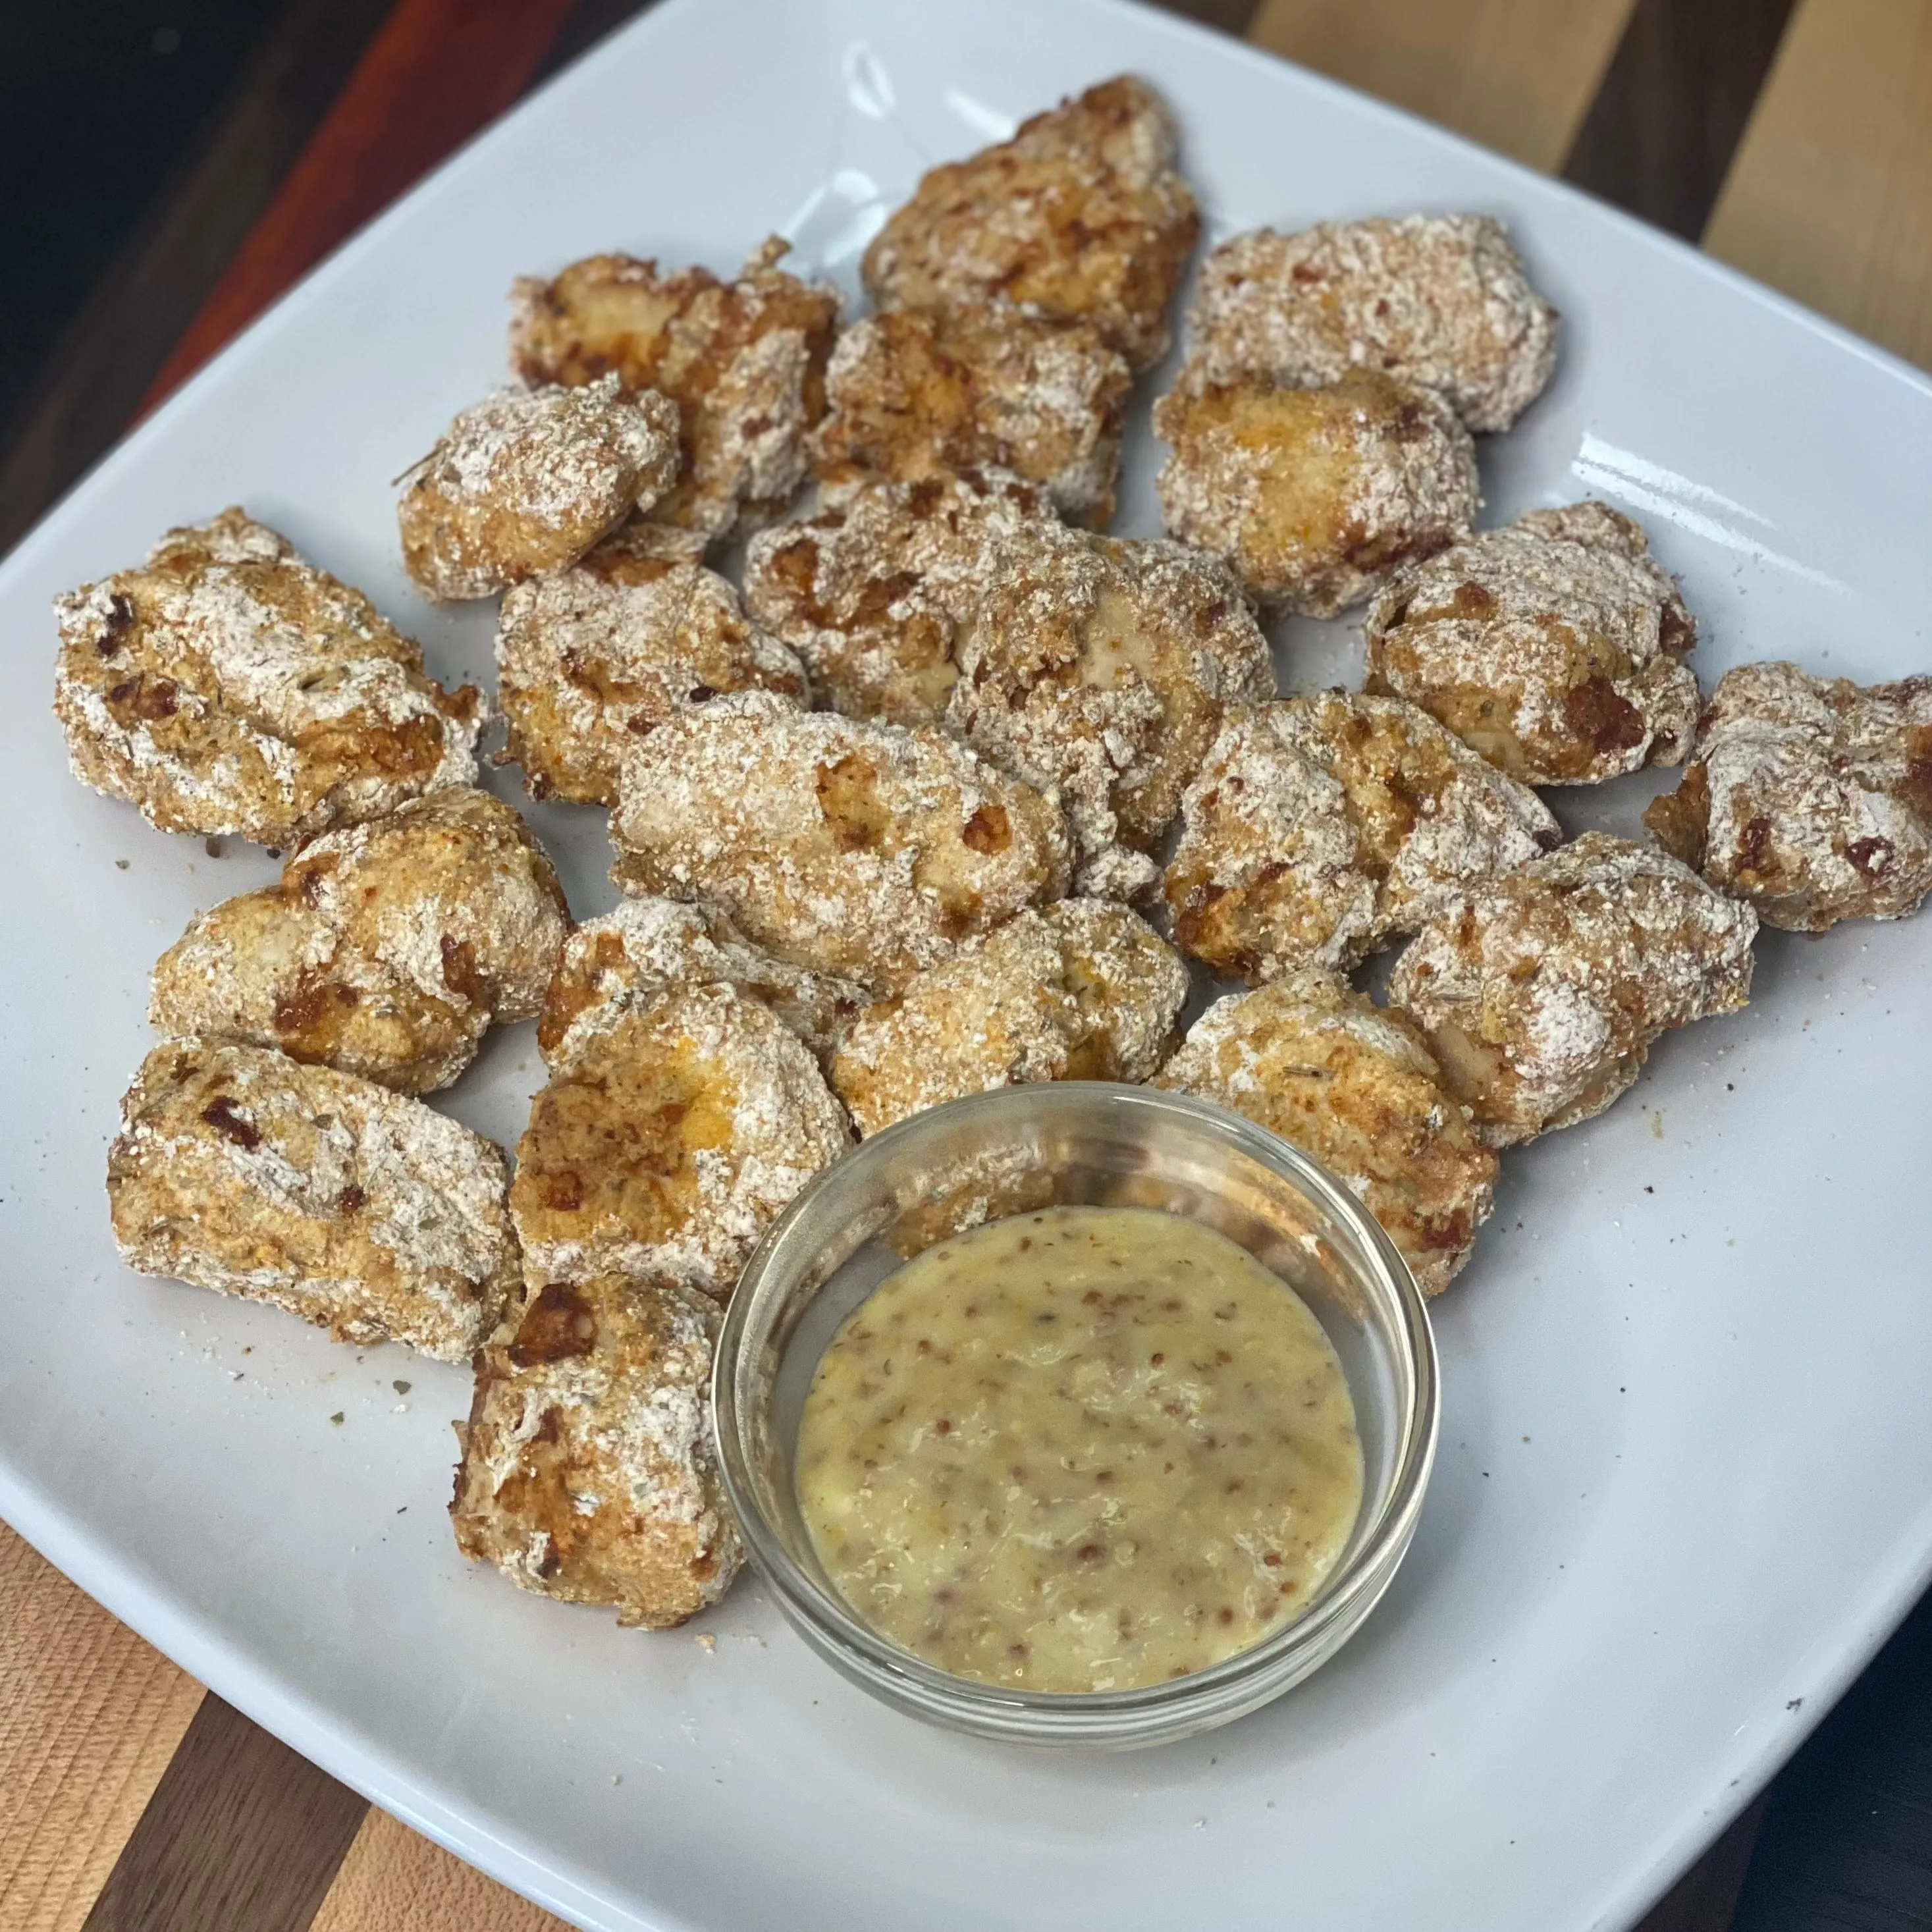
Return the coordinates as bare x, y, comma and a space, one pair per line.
393, 1881
1518, 76
89, 1717
1830, 198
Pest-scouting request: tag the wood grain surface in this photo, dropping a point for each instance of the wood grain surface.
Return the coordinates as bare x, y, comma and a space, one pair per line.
437, 72
394, 1881
89, 1717
1830, 198
1518, 76
1665, 120
131, 1800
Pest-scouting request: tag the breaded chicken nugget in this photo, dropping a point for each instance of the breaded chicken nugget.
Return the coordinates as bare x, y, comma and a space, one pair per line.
630, 957
1441, 300
670, 1141
872, 592
911, 394
1542, 991
862, 850
1081, 990
229, 687
1104, 667
1320, 828
587, 1472
1356, 1087
527, 480
1080, 216
1810, 797
387, 951
365, 1213
1554, 646
1317, 496
744, 361
591, 659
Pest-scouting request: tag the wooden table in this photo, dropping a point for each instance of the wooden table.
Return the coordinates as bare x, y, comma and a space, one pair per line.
1794, 140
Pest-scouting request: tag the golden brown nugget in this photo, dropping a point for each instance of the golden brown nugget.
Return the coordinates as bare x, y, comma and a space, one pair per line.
670, 1141
1554, 646
361, 1210
1104, 667
1082, 990
592, 658
863, 850
1542, 991
387, 950
1316, 496
744, 361
228, 687
1810, 797
873, 592
910, 394
1441, 300
631, 957
527, 480
587, 1472
1320, 828
1357, 1088
1080, 216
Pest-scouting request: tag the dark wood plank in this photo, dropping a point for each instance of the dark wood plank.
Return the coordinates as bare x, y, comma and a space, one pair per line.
93, 380
437, 72
1661, 133
593, 21
1232, 16
99, 102
1705, 1897
1847, 1840
242, 1835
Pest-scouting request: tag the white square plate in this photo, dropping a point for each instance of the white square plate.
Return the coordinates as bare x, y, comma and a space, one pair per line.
1686, 1481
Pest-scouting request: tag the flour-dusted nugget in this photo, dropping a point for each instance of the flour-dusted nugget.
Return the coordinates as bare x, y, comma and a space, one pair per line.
1316, 496
587, 1472
911, 394
1321, 827
590, 659
1356, 1087
527, 480
863, 850
670, 1140
387, 950
1554, 646
1542, 991
873, 592
1810, 797
228, 687
362, 1211
631, 956
1439, 300
1081, 990
743, 360
1080, 216
1104, 667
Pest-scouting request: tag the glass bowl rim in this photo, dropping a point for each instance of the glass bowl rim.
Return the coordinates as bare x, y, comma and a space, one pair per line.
881, 1666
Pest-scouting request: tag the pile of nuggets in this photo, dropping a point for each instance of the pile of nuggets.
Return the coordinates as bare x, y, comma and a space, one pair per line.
893, 821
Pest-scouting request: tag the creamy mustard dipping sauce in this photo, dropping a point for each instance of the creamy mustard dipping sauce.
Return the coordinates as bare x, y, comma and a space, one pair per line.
1084, 1449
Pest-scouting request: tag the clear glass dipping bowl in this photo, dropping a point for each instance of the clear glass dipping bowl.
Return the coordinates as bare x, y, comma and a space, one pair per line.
1015, 1151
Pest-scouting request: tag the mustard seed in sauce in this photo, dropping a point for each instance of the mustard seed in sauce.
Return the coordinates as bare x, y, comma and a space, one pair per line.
1039, 1500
